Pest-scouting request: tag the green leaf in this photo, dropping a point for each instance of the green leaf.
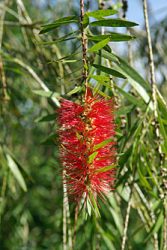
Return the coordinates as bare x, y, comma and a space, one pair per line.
124, 158
99, 45
85, 21
92, 157
93, 203
49, 94
74, 91
162, 106
132, 74
119, 37
143, 180
109, 71
66, 57
100, 78
46, 118
134, 79
105, 169
16, 172
107, 237
163, 131
114, 23
102, 93
102, 144
113, 36
108, 55
59, 22
98, 14
125, 109
60, 39
50, 140
131, 98
155, 228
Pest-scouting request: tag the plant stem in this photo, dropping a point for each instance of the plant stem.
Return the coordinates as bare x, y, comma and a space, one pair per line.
64, 215
126, 221
165, 226
84, 45
152, 78
156, 125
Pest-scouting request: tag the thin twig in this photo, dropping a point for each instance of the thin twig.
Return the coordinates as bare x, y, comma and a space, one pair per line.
124, 238
150, 54
64, 214
152, 79
75, 223
70, 242
21, 13
165, 226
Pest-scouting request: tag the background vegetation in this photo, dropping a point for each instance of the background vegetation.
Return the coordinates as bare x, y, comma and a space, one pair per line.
34, 213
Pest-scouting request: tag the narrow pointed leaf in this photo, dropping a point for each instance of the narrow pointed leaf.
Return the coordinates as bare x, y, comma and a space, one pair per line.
100, 78
59, 22
16, 172
109, 71
105, 169
74, 91
113, 36
85, 20
108, 55
92, 157
98, 14
114, 23
46, 118
155, 228
132, 73
46, 93
102, 144
130, 97
99, 45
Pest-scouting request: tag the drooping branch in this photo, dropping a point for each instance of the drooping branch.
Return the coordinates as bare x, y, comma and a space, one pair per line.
156, 123
153, 84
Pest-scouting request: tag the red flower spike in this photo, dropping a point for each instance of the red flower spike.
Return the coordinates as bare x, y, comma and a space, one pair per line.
88, 151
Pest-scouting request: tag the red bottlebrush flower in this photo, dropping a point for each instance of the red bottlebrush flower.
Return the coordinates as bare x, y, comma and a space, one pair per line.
88, 151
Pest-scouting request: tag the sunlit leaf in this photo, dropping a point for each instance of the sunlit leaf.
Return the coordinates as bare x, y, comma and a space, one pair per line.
74, 91
99, 45
102, 144
105, 169
46, 93
16, 172
92, 157
98, 14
